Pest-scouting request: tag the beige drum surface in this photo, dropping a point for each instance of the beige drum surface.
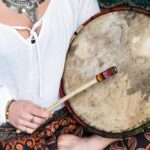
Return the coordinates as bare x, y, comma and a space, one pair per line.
120, 39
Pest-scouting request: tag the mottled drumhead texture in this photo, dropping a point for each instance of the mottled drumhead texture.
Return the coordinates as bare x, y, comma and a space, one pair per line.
122, 103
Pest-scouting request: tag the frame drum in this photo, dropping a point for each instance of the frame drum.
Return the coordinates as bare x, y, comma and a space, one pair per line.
120, 106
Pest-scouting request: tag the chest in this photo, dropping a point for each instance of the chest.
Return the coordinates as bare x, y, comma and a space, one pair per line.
15, 19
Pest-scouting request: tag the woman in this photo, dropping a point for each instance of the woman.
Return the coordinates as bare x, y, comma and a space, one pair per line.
33, 46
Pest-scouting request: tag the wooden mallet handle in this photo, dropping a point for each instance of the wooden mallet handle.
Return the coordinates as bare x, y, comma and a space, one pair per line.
108, 73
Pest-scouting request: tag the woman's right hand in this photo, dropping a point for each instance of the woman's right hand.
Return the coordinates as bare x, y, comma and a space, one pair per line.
26, 116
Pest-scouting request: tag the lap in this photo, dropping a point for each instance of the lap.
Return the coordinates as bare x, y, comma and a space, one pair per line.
63, 123
44, 138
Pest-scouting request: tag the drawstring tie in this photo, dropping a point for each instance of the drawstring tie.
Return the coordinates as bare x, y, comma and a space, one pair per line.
34, 35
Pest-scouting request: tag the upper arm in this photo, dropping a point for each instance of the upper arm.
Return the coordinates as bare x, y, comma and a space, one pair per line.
87, 9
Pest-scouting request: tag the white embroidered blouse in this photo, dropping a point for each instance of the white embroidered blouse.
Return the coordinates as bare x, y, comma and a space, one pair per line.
31, 69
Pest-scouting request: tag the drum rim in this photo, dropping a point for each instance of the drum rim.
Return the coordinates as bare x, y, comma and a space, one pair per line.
125, 134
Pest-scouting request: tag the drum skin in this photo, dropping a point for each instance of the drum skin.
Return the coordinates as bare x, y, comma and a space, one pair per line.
122, 103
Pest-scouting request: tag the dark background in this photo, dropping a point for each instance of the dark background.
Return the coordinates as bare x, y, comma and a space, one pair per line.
143, 4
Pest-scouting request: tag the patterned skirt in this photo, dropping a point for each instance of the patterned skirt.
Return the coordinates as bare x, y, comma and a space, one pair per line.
45, 138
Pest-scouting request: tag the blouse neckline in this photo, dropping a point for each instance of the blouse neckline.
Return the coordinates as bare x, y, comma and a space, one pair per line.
39, 23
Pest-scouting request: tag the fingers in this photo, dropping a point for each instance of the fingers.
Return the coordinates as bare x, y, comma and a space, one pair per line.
24, 114
25, 129
35, 119
40, 112
31, 124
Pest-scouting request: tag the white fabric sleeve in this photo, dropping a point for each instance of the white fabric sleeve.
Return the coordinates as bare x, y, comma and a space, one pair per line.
5, 96
87, 9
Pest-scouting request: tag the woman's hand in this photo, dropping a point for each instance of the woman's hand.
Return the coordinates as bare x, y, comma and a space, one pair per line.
26, 116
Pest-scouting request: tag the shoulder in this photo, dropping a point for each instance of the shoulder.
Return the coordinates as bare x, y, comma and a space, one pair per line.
77, 6
73, 13
87, 8
80, 10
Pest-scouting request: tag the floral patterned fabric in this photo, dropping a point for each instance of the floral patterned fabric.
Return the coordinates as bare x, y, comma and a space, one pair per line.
139, 142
